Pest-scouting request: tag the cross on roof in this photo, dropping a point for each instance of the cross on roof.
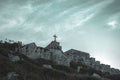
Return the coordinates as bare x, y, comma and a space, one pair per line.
55, 37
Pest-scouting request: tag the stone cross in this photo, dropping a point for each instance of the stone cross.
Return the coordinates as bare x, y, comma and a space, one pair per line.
55, 37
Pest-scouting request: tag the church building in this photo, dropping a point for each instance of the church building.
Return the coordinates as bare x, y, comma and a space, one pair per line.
53, 52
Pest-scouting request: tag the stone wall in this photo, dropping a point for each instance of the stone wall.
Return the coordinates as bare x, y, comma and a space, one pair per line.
32, 51
56, 54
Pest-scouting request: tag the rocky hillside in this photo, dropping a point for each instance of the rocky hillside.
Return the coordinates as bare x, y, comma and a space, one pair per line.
24, 68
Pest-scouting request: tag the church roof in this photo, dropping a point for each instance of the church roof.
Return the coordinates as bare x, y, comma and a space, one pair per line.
30, 44
76, 52
53, 45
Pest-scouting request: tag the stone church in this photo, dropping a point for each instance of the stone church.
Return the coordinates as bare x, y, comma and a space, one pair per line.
53, 52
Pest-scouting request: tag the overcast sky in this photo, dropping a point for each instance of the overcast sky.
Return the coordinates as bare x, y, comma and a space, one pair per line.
88, 25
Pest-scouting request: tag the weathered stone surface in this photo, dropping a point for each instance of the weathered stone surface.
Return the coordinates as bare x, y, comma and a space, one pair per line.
53, 51
47, 66
96, 75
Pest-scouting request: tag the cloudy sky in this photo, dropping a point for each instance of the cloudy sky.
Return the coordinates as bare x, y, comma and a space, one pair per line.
88, 25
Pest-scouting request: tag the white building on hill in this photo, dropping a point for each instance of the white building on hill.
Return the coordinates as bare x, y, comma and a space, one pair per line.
53, 51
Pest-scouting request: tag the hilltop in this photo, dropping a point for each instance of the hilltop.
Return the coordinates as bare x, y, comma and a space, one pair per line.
30, 62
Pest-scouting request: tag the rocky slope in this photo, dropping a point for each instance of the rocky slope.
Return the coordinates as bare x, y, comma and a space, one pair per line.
25, 68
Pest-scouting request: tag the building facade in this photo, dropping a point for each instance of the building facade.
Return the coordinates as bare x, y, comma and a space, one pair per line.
53, 52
